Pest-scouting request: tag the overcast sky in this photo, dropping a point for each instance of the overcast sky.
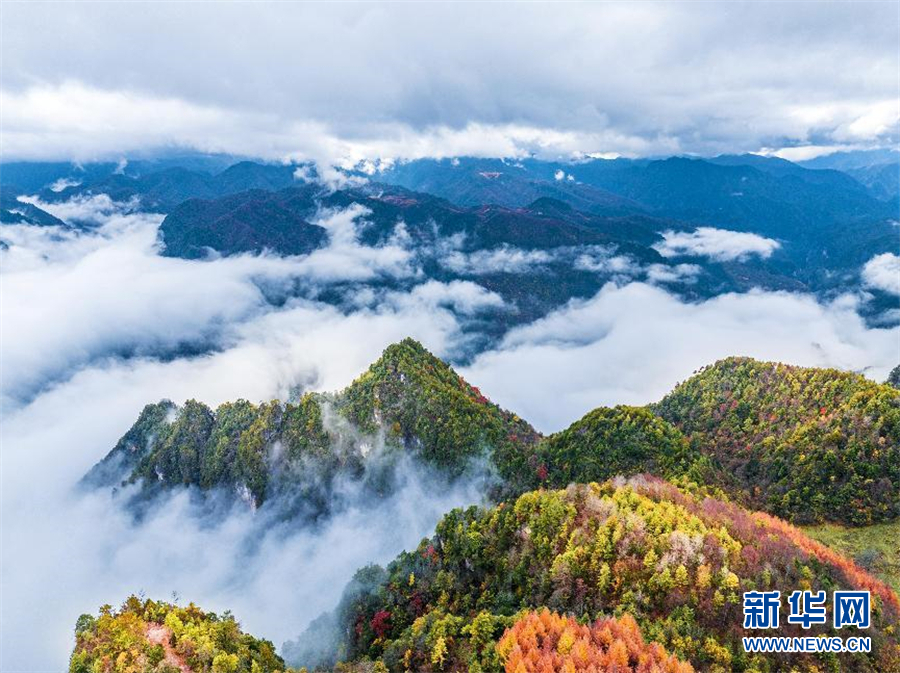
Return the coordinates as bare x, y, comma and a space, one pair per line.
343, 82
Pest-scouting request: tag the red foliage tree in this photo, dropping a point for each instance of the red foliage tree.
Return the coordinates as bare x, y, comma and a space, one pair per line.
381, 623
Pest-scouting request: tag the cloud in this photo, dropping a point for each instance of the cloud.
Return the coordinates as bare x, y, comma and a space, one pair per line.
423, 80
63, 183
806, 151
95, 209
103, 314
600, 259
623, 269
463, 297
345, 258
632, 344
882, 272
718, 244
504, 259
110, 294
678, 273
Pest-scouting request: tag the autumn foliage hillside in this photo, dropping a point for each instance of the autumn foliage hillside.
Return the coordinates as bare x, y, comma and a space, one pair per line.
802, 443
676, 562
805, 444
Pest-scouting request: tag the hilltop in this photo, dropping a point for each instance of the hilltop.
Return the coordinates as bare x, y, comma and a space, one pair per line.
611, 441
430, 409
803, 443
157, 637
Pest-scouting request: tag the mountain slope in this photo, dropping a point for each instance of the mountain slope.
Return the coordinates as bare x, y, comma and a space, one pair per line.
873, 548
827, 223
547, 224
544, 641
675, 562
767, 195
162, 190
536, 257
245, 222
13, 211
474, 182
804, 443
607, 442
883, 180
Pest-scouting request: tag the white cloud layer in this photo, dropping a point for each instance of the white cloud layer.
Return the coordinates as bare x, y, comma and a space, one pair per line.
342, 83
504, 259
345, 258
718, 244
73, 303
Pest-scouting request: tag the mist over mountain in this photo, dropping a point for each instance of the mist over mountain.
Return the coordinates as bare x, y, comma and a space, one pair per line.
312, 462
699, 227
472, 338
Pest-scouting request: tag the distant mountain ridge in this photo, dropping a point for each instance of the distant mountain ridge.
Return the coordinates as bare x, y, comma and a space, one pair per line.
13, 211
536, 257
164, 189
582, 224
812, 211
826, 224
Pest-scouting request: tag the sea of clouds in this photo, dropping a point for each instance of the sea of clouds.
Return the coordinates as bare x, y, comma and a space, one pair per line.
96, 323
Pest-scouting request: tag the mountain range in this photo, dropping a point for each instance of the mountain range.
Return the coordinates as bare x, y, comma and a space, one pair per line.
578, 525
621, 542
806, 444
538, 233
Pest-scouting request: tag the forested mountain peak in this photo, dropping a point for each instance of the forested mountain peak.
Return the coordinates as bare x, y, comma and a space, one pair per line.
408, 400
421, 401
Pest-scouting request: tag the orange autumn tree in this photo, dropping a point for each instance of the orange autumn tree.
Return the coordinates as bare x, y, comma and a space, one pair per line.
546, 642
